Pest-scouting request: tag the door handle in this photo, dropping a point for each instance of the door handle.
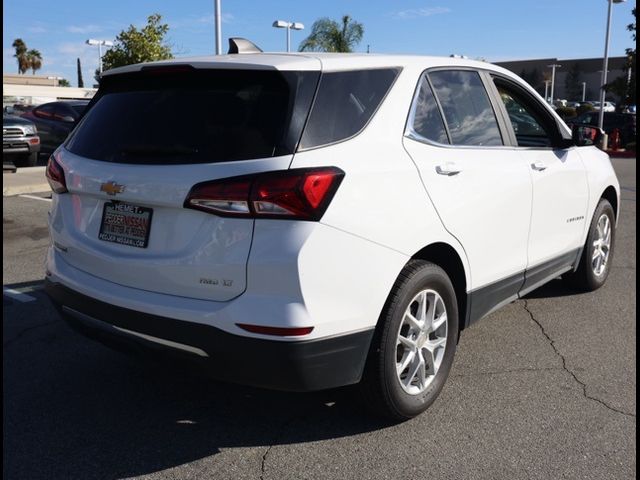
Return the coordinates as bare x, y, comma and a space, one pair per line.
538, 166
449, 169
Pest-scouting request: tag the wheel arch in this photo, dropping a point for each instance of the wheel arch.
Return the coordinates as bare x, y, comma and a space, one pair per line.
611, 195
448, 258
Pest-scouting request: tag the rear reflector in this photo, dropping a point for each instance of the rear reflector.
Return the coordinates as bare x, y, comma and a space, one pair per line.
55, 175
276, 331
299, 194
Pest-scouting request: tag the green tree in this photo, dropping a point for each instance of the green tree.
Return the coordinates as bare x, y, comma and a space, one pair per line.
329, 36
21, 55
34, 59
573, 82
63, 82
139, 45
80, 81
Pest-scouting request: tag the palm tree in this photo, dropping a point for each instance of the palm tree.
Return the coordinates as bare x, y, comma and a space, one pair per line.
34, 58
21, 55
329, 36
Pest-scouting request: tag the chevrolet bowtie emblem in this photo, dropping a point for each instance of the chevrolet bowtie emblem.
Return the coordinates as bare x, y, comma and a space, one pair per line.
111, 188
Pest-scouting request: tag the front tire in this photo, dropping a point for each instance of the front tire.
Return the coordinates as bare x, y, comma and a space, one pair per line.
597, 254
414, 345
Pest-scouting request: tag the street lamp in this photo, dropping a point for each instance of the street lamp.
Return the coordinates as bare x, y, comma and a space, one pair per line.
584, 90
605, 63
289, 26
99, 43
546, 90
553, 77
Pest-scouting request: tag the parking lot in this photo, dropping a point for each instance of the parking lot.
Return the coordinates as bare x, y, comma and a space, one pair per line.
543, 388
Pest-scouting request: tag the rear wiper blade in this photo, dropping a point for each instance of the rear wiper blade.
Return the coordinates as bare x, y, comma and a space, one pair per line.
145, 150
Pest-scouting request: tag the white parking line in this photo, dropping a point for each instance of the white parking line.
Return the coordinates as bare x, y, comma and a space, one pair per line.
16, 295
35, 198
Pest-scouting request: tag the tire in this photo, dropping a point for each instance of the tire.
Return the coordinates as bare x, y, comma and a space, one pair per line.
30, 160
381, 387
587, 277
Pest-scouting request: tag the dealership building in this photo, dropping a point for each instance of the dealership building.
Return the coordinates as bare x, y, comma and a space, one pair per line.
38, 89
572, 75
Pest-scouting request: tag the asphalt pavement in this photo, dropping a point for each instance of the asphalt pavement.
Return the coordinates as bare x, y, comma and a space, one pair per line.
541, 389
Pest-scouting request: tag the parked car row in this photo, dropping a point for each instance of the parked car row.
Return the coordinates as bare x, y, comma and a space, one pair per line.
28, 132
625, 123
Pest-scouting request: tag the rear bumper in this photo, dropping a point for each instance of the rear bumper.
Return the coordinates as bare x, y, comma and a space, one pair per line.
281, 365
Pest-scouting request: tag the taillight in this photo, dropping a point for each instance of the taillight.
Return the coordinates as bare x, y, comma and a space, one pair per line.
55, 175
299, 194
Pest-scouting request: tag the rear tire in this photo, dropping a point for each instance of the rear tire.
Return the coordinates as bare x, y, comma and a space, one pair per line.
30, 160
597, 254
390, 388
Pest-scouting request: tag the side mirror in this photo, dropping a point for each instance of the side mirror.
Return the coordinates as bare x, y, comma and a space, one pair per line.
584, 135
9, 110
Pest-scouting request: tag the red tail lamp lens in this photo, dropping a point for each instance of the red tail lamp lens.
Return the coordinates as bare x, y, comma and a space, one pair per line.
301, 194
55, 175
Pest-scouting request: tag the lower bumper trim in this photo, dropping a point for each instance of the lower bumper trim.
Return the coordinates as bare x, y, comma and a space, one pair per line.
304, 365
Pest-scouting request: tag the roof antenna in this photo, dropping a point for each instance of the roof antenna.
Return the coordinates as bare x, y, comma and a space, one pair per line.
242, 45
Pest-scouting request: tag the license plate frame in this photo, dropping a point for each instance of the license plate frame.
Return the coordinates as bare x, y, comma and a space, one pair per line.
125, 224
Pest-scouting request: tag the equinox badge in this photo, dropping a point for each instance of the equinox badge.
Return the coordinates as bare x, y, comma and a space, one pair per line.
111, 188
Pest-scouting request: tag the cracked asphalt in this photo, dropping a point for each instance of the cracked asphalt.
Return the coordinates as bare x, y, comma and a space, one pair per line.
541, 389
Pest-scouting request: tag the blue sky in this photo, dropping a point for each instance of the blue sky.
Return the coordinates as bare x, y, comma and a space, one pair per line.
494, 30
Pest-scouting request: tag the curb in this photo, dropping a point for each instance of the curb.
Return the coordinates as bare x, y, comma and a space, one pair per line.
22, 189
24, 180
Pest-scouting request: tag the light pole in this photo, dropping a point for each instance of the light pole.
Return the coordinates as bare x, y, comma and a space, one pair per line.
218, 25
546, 90
553, 77
99, 43
605, 63
289, 26
584, 90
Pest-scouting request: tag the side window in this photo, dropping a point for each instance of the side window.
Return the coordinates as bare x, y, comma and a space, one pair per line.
45, 111
427, 121
466, 107
63, 113
344, 104
527, 121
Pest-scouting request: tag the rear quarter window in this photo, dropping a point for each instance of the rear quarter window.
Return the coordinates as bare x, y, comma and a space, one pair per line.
344, 104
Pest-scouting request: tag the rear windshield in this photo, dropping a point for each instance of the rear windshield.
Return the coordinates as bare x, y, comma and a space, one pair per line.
195, 116
345, 102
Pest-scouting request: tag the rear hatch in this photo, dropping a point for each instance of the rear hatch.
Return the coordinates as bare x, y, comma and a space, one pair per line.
147, 138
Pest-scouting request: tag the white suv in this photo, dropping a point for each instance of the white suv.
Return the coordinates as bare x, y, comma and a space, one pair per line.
308, 221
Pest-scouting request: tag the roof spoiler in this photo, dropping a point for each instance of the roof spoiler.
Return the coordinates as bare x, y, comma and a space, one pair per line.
242, 45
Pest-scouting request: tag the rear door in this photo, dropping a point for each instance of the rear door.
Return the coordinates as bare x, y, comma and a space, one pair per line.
480, 188
146, 140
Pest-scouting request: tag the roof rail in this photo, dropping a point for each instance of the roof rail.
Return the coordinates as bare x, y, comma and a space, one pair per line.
242, 45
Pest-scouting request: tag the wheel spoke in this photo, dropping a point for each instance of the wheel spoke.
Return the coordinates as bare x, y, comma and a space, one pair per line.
405, 363
407, 342
438, 322
413, 321
433, 345
413, 370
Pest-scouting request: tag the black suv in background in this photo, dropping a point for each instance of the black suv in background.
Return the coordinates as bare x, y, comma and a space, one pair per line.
20, 141
624, 122
55, 121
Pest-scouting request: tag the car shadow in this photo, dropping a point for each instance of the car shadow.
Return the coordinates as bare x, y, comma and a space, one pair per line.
555, 288
75, 409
